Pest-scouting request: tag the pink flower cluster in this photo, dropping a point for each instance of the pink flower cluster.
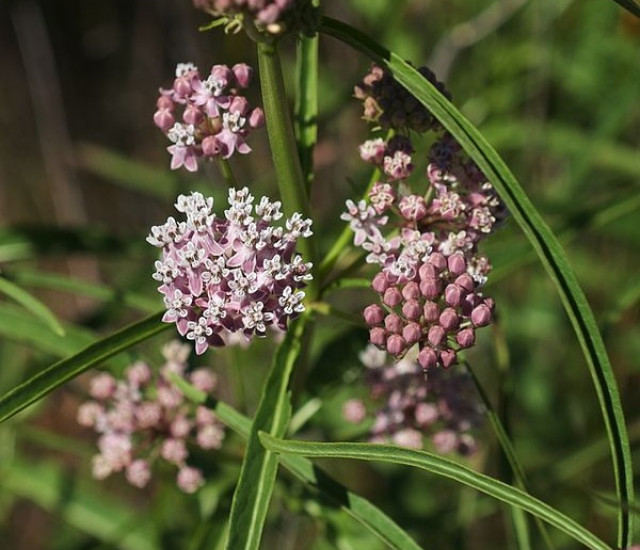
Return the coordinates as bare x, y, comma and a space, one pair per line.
444, 407
274, 17
430, 269
215, 119
389, 105
232, 274
145, 417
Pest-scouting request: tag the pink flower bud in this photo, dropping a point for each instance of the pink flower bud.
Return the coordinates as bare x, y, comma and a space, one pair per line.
138, 473
354, 411
174, 450
436, 335
393, 323
466, 281
380, 283
413, 207
411, 291
412, 333
223, 73
431, 312
453, 295
164, 119
392, 297
426, 413
102, 386
256, 118
377, 336
438, 261
457, 264
189, 479
372, 150
427, 358
373, 315
211, 146
239, 105
192, 115
411, 310
408, 438
243, 74
466, 337
165, 102
430, 288
481, 315
427, 271
395, 344
445, 441
447, 358
490, 303
210, 436
182, 86
449, 319
204, 380
139, 374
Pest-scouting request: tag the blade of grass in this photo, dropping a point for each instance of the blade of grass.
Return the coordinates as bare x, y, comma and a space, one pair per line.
356, 506
31, 304
629, 5
543, 241
442, 467
57, 374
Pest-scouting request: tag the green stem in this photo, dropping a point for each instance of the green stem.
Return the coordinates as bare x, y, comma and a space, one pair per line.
227, 173
283, 146
306, 108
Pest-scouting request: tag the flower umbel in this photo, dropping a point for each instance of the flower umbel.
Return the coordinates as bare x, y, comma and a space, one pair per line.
144, 418
216, 119
232, 274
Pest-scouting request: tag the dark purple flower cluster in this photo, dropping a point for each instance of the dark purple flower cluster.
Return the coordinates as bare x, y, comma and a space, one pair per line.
442, 406
430, 269
232, 274
216, 119
145, 417
389, 105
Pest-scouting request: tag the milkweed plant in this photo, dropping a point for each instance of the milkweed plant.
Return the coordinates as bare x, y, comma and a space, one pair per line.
406, 285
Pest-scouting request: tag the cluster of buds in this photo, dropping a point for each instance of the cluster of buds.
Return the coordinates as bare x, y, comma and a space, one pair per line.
430, 270
232, 274
387, 104
216, 119
144, 417
272, 16
443, 408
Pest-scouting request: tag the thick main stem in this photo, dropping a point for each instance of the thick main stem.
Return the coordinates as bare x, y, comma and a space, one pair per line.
289, 174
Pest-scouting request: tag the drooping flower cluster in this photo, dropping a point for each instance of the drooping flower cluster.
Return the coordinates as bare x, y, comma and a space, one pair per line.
273, 16
387, 104
430, 270
215, 119
441, 406
144, 417
232, 274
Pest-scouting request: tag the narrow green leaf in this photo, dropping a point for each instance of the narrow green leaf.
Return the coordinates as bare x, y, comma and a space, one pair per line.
356, 506
258, 473
543, 241
629, 5
57, 374
78, 287
20, 326
442, 467
31, 304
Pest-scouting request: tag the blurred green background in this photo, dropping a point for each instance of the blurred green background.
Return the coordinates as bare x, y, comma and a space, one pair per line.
555, 87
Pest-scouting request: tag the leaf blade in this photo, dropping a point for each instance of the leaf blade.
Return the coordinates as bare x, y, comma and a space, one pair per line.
444, 468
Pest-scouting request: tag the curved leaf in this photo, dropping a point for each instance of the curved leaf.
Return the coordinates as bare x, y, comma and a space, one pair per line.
543, 241
356, 506
57, 374
629, 5
442, 467
31, 304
